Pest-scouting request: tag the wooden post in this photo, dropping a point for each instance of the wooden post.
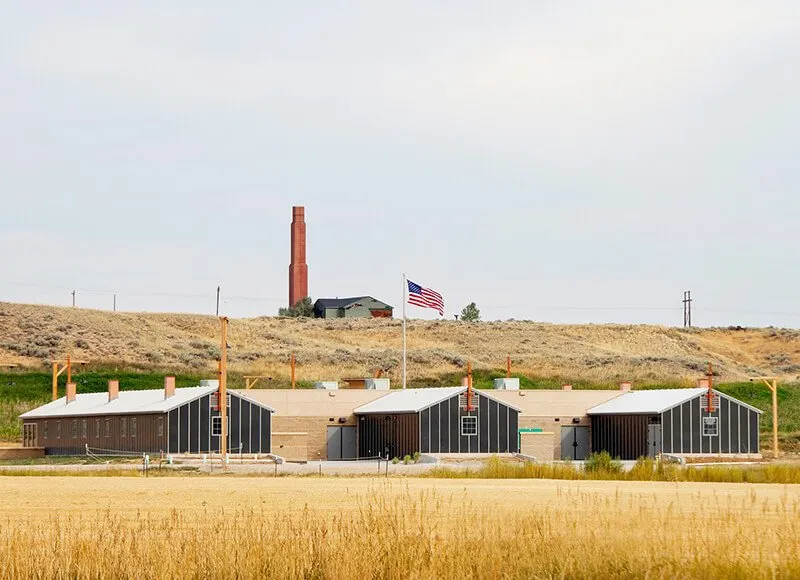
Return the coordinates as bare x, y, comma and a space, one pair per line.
774, 388
223, 388
293, 370
55, 381
469, 386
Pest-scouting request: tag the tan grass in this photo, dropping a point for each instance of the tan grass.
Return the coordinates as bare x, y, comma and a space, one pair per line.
340, 528
339, 348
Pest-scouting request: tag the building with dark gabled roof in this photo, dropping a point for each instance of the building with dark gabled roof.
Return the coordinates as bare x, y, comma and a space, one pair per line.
356, 307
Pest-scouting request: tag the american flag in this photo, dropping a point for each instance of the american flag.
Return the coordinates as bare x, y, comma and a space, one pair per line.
425, 297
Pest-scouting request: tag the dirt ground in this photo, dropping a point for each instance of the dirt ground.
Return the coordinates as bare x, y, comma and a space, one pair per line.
29, 498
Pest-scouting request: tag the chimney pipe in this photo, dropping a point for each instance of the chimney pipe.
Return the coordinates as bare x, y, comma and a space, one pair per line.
566, 387
169, 387
298, 269
625, 386
113, 390
71, 392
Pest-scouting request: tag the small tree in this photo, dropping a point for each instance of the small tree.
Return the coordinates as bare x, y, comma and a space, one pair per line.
304, 307
471, 313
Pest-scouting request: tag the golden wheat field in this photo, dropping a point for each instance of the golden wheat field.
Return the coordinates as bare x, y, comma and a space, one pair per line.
225, 527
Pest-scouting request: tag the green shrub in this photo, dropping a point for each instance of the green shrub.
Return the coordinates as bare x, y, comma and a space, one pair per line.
416, 456
602, 463
395, 460
406, 460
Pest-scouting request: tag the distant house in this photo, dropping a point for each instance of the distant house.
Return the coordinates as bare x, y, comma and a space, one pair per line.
358, 307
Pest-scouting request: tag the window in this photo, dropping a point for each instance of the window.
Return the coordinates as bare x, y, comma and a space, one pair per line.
123, 427
83, 428
74, 428
469, 425
44, 429
58, 429
108, 428
161, 426
710, 426
216, 426
133, 427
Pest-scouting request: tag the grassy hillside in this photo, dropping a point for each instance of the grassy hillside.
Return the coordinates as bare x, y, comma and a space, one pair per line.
334, 349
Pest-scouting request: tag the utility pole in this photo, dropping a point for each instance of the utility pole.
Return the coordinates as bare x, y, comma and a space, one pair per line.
772, 383
223, 388
115, 301
687, 308
217, 300
73, 298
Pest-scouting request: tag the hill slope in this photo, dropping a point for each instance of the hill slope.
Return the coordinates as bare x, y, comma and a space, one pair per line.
33, 335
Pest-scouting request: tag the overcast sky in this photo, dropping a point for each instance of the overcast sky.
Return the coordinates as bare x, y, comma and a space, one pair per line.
555, 161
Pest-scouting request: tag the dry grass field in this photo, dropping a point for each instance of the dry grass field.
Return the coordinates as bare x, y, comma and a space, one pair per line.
32, 335
120, 527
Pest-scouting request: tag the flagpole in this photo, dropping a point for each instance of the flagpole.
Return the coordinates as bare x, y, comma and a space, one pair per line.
405, 288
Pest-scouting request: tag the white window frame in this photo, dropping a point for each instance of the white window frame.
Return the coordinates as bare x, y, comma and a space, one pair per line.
216, 421
469, 426
709, 422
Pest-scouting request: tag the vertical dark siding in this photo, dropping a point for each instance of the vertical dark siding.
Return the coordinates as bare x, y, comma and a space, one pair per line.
494, 444
724, 425
183, 428
666, 431
173, 431
744, 437
205, 424
194, 427
397, 434
686, 427
425, 431
697, 426
733, 434
455, 427
753, 431
676, 429
483, 425
244, 426
513, 430
622, 436
444, 428
502, 431
233, 425
435, 427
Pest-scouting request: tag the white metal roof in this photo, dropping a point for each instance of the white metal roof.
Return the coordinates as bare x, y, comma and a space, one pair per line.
146, 401
653, 401
409, 400
416, 400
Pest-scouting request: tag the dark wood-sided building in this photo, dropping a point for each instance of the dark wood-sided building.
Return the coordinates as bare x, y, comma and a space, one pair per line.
438, 420
185, 420
676, 421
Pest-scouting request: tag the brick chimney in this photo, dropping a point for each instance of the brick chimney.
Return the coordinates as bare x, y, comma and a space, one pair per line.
702, 383
566, 387
298, 269
113, 390
169, 387
71, 392
465, 381
625, 386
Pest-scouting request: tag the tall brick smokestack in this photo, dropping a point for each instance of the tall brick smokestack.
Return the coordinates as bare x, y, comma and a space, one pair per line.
298, 269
